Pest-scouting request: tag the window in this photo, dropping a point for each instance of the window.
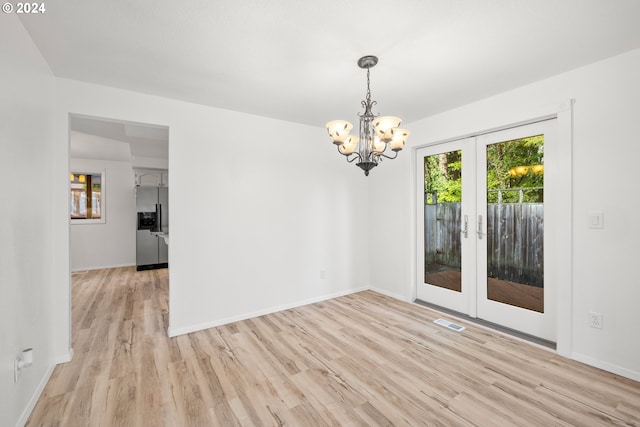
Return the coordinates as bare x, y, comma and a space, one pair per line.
87, 197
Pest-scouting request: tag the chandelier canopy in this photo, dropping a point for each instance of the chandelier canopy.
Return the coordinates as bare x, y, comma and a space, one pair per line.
376, 133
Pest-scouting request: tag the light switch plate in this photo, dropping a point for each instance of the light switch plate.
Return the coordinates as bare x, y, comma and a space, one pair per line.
596, 220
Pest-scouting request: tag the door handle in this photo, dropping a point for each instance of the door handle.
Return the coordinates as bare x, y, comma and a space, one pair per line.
465, 230
479, 231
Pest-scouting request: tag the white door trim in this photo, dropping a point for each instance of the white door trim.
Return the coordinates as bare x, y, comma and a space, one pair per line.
564, 114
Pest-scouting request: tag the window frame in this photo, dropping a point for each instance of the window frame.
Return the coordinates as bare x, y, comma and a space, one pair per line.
103, 198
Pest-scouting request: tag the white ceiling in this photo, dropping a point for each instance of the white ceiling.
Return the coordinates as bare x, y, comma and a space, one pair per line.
117, 140
296, 59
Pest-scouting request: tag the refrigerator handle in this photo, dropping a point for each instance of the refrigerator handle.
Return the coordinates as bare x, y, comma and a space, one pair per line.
158, 217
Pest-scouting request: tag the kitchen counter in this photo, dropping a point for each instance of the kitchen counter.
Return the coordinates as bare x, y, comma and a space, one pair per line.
162, 234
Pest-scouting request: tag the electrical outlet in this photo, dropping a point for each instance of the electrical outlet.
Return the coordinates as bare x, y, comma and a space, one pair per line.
595, 320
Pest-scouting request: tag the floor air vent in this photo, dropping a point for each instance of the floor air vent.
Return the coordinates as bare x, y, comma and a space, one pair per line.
449, 325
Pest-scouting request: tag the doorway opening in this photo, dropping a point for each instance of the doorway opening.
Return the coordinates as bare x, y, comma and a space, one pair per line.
105, 160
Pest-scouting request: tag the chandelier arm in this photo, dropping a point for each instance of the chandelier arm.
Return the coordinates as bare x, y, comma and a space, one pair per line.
350, 160
388, 157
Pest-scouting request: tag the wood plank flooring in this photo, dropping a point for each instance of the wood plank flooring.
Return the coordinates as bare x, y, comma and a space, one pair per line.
362, 359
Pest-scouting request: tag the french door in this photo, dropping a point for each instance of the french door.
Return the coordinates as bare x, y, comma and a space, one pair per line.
446, 212
481, 225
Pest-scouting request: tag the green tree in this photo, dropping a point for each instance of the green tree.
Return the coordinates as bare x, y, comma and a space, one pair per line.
516, 164
443, 177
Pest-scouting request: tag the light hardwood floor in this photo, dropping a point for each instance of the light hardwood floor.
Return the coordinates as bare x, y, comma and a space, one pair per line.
362, 359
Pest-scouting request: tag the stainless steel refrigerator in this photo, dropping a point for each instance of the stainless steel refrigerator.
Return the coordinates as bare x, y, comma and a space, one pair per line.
152, 206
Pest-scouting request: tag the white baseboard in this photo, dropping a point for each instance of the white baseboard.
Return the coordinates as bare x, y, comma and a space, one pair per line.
609, 367
174, 332
40, 388
102, 267
34, 398
391, 294
64, 358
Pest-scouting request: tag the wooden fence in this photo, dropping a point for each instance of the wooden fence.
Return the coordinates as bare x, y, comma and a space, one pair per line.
514, 239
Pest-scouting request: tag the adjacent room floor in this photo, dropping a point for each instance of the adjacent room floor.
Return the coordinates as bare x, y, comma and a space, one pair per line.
362, 359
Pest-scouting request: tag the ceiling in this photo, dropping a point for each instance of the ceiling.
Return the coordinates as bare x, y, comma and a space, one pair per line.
118, 140
295, 60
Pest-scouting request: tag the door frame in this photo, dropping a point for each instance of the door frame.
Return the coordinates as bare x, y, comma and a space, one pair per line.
69, 270
561, 197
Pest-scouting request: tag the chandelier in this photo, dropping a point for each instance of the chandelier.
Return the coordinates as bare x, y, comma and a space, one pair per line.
376, 133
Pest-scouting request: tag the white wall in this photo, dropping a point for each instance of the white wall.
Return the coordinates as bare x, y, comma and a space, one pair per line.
258, 207
28, 284
112, 243
605, 148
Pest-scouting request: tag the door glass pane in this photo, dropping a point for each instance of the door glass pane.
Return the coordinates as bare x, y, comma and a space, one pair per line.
515, 190
442, 207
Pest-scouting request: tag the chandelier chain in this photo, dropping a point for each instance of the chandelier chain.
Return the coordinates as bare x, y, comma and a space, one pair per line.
368, 89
